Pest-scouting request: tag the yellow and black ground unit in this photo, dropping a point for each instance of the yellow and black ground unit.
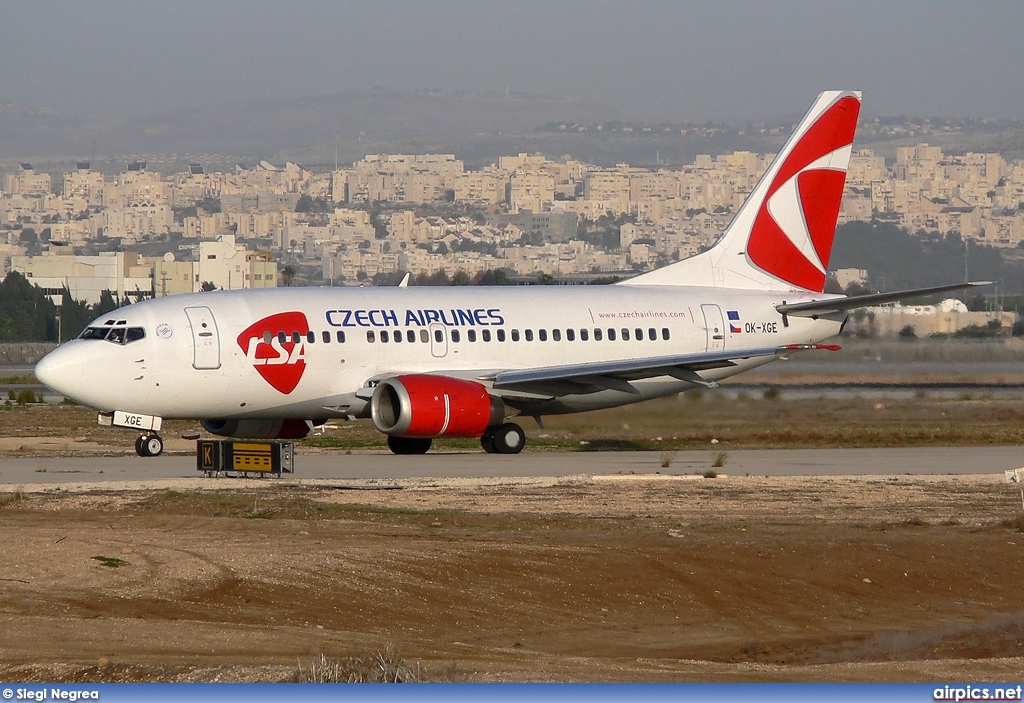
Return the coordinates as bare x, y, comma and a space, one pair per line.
233, 458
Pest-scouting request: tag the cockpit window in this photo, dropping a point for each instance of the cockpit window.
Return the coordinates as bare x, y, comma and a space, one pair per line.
94, 333
116, 335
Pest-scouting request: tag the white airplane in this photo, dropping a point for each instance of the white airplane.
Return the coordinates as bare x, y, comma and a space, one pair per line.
459, 362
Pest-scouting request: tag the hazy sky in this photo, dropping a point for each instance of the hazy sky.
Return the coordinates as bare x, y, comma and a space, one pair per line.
654, 60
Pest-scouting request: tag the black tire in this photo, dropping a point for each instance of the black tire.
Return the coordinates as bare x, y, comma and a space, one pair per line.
487, 441
408, 445
153, 445
139, 447
509, 438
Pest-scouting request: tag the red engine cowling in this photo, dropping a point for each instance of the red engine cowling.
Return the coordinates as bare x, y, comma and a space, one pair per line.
257, 428
421, 405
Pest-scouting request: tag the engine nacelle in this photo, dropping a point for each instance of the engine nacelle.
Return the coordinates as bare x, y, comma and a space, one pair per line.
257, 428
421, 405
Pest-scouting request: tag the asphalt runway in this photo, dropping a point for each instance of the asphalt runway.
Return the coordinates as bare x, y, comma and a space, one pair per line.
772, 462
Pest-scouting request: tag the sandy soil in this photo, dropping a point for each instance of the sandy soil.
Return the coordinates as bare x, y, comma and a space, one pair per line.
883, 579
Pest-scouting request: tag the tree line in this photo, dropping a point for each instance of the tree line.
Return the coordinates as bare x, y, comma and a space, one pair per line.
28, 315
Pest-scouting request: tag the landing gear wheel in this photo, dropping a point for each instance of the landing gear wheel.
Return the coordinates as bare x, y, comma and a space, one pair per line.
508, 438
408, 445
487, 441
149, 445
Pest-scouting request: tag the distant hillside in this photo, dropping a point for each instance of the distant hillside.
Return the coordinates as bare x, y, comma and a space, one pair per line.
477, 127
262, 128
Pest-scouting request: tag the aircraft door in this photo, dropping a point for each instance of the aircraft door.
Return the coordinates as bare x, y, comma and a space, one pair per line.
205, 338
438, 339
715, 325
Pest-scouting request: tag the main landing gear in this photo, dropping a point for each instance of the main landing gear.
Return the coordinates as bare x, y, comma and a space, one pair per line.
501, 439
504, 439
149, 445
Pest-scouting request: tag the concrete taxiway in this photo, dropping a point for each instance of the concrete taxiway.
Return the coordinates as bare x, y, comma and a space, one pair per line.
368, 465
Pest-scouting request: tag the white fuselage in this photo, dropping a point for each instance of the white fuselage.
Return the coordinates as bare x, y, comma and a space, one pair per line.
217, 355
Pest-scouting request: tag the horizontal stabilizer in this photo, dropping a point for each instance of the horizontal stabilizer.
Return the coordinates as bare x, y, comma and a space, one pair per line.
823, 307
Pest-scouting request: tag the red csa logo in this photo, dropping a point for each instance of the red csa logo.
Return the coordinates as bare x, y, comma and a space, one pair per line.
793, 231
281, 364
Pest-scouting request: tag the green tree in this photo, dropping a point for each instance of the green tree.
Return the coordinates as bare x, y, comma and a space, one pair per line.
74, 316
26, 314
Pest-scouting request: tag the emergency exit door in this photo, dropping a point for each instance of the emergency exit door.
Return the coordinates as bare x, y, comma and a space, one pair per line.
715, 327
205, 338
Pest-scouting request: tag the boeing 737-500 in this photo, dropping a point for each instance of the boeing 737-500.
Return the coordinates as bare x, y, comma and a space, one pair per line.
462, 361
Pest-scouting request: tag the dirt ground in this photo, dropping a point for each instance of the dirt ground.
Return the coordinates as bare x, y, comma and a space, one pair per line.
623, 579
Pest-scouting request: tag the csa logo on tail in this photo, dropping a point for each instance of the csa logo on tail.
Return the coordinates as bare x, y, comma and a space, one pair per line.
281, 364
792, 233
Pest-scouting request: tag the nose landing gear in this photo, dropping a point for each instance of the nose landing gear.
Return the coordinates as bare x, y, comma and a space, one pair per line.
149, 445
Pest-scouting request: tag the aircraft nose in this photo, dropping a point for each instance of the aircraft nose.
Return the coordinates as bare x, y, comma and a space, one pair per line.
61, 370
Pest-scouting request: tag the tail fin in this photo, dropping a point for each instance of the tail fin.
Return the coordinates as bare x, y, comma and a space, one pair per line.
781, 238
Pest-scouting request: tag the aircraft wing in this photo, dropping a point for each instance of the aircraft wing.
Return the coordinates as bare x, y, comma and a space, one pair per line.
823, 307
616, 375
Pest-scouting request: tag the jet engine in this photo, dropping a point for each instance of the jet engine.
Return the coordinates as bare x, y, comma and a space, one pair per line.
422, 405
257, 428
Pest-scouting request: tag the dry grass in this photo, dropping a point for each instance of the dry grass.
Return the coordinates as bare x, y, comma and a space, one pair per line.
689, 421
379, 667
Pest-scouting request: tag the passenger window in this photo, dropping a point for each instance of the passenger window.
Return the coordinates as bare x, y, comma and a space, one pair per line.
471, 335
282, 337
485, 335
542, 335
625, 334
397, 336
296, 337
326, 337
267, 336
410, 336
611, 334
424, 337
515, 335
310, 337
370, 336
570, 334
639, 334
455, 335
438, 336
529, 335
556, 335
384, 336
584, 336
501, 335
134, 334
652, 334
664, 333
597, 334
341, 337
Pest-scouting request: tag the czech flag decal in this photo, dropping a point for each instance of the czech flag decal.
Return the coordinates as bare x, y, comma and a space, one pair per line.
734, 316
